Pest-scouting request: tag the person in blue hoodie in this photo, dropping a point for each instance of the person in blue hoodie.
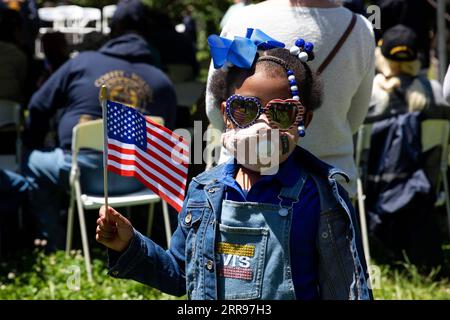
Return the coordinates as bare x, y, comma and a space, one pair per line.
124, 65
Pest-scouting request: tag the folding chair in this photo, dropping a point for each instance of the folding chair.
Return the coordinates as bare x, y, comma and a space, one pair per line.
107, 13
90, 135
362, 149
10, 121
435, 133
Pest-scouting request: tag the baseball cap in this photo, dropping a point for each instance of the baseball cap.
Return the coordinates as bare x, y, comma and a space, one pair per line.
399, 43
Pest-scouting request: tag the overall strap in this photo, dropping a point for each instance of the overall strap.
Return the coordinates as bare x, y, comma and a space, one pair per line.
338, 45
292, 194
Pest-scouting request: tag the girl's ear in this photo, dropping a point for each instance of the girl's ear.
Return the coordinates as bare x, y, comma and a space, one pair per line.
308, 118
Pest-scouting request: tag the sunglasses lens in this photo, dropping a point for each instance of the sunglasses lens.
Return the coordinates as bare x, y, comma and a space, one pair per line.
244, 112
283, 115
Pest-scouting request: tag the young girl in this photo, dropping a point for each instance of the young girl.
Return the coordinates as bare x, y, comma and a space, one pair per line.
278, 229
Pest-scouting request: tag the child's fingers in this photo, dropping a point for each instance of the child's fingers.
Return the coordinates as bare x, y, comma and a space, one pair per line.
113, 215
101, 239
105, 234
119, 219
101, 222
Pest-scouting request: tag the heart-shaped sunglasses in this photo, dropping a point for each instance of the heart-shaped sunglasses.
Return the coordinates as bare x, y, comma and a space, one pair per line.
282, 114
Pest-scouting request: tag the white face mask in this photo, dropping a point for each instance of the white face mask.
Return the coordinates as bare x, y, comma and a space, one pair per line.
259, 147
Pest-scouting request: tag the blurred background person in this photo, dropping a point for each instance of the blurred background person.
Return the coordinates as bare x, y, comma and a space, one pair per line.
347, 79
174, 48
30, 20
399, 87
124, 65
234, 8
56, 53
419, 15
13, 61
190, 25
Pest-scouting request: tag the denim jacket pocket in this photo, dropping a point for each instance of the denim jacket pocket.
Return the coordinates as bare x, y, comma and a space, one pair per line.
241, 254
193, 216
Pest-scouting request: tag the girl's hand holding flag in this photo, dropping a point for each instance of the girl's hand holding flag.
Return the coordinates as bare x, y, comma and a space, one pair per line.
116, 233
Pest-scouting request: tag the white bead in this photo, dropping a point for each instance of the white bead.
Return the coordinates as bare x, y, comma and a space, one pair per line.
303, 56
294, 88
291, 78
294, 50
296, 98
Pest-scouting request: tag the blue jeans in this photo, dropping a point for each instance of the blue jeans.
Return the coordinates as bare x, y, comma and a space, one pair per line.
48, 174
13, 188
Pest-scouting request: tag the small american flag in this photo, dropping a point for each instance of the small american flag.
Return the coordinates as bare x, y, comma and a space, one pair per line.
139, 147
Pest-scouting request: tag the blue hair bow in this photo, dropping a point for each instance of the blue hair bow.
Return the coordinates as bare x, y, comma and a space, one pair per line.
241, 51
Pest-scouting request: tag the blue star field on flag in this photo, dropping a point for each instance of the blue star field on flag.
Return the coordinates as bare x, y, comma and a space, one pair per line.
126, 125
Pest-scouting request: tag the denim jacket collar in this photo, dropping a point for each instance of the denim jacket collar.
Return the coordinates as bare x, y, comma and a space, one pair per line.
306, 160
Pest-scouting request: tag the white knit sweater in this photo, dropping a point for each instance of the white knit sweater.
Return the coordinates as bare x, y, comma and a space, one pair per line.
347, 81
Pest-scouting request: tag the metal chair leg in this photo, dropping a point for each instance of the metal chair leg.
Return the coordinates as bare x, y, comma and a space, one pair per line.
362, 221
84, 239
166, 222
69, 234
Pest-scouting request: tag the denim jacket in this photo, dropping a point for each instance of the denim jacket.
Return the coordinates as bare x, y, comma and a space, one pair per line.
189, 265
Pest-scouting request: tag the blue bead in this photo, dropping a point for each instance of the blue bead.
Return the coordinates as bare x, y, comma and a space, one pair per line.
301, 133
300, 43
290, 72
295, 93
309, 47
292, 83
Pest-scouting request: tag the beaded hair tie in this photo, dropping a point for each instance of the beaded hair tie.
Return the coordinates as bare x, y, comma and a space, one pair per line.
292, 84
303, 50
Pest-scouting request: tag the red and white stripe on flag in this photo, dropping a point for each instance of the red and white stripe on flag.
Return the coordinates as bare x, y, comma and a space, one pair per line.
154, 155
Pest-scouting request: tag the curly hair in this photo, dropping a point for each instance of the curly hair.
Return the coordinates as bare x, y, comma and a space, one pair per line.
225, 82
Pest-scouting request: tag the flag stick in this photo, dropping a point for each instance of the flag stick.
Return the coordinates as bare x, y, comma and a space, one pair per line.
103, 98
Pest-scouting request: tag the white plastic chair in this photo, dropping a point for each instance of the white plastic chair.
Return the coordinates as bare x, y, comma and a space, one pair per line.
435, 133
90, 135
107, 13
53, 15
95, 15
10, 120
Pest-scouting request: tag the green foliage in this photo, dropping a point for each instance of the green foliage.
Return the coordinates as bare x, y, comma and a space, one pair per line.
39, 276
408, 284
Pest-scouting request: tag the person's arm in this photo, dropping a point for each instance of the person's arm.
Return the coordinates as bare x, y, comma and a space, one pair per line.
361, 99
134, 256
44, 103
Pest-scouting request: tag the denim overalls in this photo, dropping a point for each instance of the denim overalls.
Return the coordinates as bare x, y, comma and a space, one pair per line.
210, 252
253, 248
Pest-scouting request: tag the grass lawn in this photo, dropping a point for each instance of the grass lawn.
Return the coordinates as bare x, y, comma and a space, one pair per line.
38, 276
